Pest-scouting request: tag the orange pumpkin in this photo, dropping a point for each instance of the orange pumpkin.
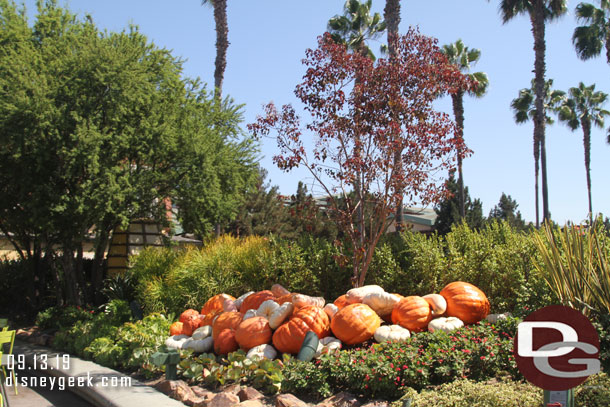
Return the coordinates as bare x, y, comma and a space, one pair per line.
284, 298
253, 332
465, 301
255, 300
413, 313
190, 324
226, 320
187, 313
209, 318
355, 323
175, 328
341, 301
225, 342
289, 337
216, 303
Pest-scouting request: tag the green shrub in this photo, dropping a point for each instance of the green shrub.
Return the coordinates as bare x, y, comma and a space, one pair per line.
595, 392
55, 318
601, 322
76, 337
466, 393
413, 263
171, 281
497, 259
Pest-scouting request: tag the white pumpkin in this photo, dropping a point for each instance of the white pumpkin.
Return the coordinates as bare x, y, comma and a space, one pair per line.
437, 302
278, 290
267, 308
389, 333
331, 309
357, 294
447, 324
262, 351
176, 341
249, 314
327, 345
241, 299
202, 332
302, 300
199, 346
493, 318
281, 313
381, 302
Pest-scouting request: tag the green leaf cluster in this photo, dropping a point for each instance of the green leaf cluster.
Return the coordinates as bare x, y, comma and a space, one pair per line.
213, 371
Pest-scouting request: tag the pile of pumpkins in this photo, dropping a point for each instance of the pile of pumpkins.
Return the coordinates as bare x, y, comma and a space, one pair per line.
267, 322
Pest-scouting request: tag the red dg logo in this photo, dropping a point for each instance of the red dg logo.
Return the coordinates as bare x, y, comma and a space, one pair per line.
556, 348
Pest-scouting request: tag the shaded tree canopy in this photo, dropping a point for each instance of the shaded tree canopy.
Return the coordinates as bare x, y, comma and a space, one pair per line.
99, 128
506, 210
448, 210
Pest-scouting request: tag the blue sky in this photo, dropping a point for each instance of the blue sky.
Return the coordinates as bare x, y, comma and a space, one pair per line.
268, 39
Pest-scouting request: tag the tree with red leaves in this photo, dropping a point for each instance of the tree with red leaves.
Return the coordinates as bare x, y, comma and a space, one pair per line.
363, 113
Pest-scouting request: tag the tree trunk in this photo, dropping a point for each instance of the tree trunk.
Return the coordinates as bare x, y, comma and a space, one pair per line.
538, 29
391, 15
458, 112
222, 44
586, 128
97, 270
537, 176
70, 281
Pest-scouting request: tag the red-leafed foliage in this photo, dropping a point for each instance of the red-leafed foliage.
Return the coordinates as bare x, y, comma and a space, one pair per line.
363, 114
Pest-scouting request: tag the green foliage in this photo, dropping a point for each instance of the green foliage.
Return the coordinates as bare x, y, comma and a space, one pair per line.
497, 258
121, 286
448, 210
170, 281
261, 373
467, 393
595, 392
55, 318
110, 339
421, 264
506, 210
126, 134
480, 352
575, 265
76, 337
601, 322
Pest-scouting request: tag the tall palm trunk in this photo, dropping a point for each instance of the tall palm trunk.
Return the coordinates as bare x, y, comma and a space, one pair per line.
391, 15
586, 129
538, 29
458, 112
537, 175
222, 43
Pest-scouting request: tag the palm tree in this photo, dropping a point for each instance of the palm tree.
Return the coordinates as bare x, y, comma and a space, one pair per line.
391, 15
583, 108
464, 58
357, 26
539, 12
590, 39
524, 108
222, 42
